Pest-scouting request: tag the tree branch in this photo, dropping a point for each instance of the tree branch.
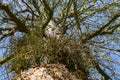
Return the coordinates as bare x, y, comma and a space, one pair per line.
20, 25
11, 32
100, 30
5, 29
36, 6
110, 30
3, 61
103, 73
77, 18
50, 14
113, 49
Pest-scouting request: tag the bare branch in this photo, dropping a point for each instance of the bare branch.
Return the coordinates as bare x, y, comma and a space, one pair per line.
11, 32
110, 30
102, 72
20, 25
77, 19
5, 29
50, 14
100, 30
36, 6
113, 49
5, 60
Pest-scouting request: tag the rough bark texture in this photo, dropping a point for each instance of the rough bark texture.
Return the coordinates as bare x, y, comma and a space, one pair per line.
47, 72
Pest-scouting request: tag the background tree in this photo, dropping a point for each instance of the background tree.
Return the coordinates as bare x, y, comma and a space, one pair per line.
81, 34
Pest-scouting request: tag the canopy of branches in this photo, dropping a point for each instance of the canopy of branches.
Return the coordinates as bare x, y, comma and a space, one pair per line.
81, 34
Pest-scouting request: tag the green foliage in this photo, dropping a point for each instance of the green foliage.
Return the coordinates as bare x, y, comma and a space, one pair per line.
33, 50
